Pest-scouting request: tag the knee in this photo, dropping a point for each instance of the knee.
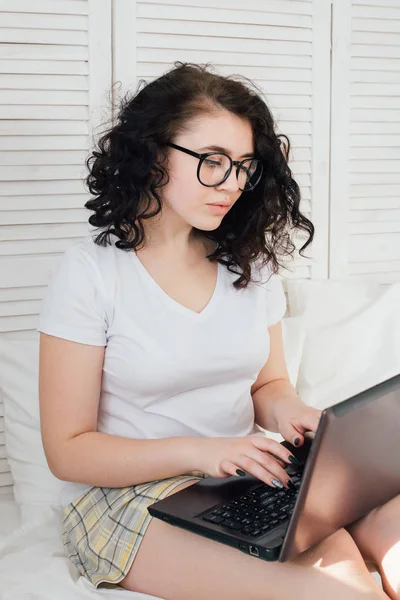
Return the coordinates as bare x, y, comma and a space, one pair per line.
338, 548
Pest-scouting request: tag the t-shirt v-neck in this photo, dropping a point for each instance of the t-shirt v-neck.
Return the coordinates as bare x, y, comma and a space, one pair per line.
174, 304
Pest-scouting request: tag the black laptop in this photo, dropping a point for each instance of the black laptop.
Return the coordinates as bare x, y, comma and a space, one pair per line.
349, 467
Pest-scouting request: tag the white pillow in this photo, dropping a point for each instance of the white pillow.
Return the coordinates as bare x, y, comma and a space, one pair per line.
326, 301
293, 334
35, 487
350, 353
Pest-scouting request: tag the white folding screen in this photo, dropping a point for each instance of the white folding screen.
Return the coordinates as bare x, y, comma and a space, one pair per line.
55, 75
365, 141
283, 46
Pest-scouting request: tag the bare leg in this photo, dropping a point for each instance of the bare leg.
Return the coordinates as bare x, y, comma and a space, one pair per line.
378, 537
191, 567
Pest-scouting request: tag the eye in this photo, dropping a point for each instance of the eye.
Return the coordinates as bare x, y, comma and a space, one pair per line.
212, 163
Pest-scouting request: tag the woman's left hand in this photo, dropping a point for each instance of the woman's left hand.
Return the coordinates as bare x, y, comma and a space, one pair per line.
294, 420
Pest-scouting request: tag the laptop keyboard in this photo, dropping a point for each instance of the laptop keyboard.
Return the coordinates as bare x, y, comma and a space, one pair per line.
257, 512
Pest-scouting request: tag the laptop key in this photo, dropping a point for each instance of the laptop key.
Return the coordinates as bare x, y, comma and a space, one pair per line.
232, 525
213, 519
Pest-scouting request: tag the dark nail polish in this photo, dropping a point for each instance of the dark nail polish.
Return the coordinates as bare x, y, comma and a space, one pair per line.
277, 483
297, 441
240, 472
294, 461
291, 485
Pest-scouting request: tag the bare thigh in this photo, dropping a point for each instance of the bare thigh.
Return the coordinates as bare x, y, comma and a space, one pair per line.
178, 565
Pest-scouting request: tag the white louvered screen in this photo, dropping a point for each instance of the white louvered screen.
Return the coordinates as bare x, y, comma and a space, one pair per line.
55, 76
283, 46
55, 64
365, 217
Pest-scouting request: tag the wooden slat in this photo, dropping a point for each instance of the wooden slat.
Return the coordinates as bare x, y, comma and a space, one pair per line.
385, 25
371, 76
42, 202
26, 271
273, 6
61, 7
36, 21
374, 51
36, 188
5, 479
374, 246
39, 113
57, 52
42, 157
363, 216
43, 36
375, 178
374, 190
22, 293
377, 141
226, 16
263, 45
372, 227
387, 266
46, 67
14, 309
235, 30
380, 38
374, 166
375, 64
387, 278
219, 57
48, 231
49, 97
46, 127
35, 172
44, 142
44, 82
36, 247
379, 202
58, 215
374, 102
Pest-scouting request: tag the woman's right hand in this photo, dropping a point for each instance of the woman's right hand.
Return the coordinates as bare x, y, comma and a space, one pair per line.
221, 457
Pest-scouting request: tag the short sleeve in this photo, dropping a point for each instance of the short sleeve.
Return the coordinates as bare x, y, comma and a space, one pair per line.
73, 306
275, 295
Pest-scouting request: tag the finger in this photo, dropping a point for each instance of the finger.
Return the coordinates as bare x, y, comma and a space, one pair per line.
266, 461
293, 434
274, 448
311, 420
260, 472
230, 468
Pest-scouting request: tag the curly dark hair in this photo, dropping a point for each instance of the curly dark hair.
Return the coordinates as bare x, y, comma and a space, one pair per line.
126, 170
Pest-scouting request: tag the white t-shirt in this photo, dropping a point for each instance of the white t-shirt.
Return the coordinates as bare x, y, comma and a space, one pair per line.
168, 371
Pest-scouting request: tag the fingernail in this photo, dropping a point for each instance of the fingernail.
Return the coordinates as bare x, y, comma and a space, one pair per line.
240, 472
277, 483
294, 460
291, 485
297, 441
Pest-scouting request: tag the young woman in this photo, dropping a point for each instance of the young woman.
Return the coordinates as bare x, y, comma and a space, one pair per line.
161, 357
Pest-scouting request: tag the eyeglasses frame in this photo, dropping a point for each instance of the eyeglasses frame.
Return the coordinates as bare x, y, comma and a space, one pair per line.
234, 163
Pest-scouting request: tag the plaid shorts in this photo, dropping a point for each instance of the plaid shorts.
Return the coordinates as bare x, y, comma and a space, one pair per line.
103, 528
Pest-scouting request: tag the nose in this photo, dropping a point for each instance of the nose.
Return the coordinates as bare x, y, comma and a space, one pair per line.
231, 183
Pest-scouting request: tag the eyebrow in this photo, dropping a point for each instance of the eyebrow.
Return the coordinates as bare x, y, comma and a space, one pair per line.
226, 151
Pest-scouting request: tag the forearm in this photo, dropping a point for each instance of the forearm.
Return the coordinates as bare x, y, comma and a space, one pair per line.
104, 460
266, 398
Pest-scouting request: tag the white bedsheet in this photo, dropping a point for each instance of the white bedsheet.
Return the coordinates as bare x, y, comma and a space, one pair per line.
33, 566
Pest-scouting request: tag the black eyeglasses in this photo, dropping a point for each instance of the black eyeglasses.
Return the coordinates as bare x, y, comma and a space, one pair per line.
215, 167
